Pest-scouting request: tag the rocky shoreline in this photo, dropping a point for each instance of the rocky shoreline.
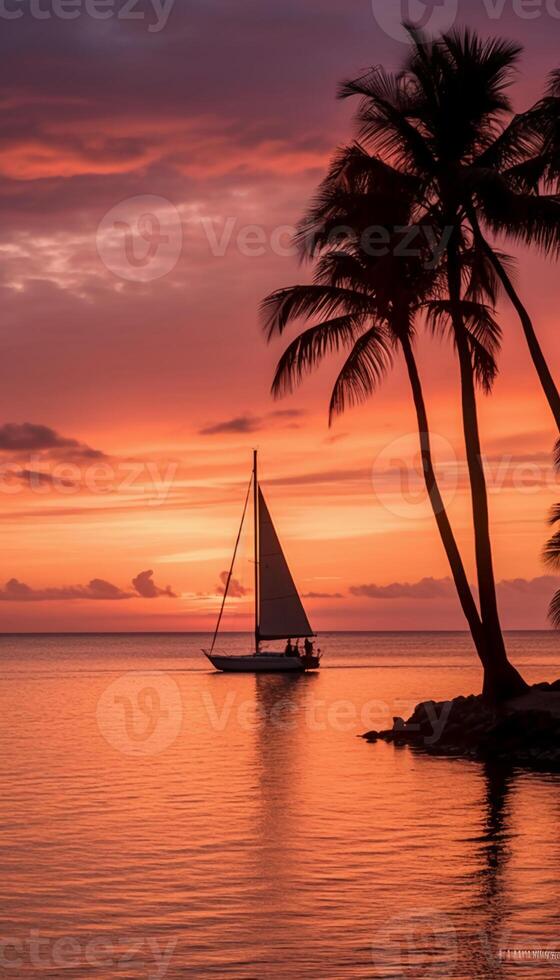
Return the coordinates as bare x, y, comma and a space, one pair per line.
522, 732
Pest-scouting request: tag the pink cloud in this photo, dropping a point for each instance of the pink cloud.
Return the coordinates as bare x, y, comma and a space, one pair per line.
147, 588
96, 589
426, 588
236, 589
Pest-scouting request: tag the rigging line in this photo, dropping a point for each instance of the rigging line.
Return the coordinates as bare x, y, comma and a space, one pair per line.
230, 573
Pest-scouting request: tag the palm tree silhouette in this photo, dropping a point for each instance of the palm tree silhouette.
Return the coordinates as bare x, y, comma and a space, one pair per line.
456, 116
421, 130
551, 556
536, 136
368, 303
437, 120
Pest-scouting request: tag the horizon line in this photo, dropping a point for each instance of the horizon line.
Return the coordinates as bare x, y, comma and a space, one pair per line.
466, 632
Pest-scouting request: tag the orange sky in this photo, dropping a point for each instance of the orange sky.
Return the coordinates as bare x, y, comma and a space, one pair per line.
145, 392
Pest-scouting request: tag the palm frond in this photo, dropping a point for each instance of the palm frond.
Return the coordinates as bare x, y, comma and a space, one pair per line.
484, 364
359, 190
341, 268
486, 65
554, 610
315, 299
482, 330
551, 552
514, 149
477, 318
483, 284
384, 116
308, 350
527, 176
526, 218
368, 361
554, 83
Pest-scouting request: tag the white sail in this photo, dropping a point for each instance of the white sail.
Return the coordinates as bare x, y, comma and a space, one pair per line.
281, 613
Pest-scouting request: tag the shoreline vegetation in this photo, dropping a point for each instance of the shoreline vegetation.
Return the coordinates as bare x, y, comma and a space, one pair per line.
524, 731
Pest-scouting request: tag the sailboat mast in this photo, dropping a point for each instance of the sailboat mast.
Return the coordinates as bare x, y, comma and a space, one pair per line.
256, 529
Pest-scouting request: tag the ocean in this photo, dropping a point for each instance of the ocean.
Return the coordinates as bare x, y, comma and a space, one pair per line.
162, 820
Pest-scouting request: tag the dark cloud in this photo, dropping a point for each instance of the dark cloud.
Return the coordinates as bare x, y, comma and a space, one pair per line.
97, 588
251, 423
34, 478
243, 423
15, 437
286, 413
22, 437
322, 595
100, 589
426, 588
518, 587
147, 588
508, 590
15, 591
322, 477
132, 103
236, 590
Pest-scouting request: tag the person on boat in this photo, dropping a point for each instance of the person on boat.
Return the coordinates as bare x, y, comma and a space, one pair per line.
308, 647
289, 651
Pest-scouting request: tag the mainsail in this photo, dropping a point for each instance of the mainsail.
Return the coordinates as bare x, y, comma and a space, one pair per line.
281, 613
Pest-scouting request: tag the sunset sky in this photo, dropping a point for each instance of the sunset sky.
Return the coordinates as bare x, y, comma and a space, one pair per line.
133, 389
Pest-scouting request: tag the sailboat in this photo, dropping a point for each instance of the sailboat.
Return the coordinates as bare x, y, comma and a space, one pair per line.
279, 612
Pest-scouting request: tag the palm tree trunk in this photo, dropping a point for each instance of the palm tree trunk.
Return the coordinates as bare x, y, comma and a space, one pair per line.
501, 679
466, 599
535, 350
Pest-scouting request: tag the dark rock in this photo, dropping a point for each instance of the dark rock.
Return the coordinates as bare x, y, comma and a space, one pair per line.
524, 732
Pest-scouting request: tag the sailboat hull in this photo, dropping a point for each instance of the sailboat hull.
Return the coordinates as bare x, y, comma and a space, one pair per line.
264, 663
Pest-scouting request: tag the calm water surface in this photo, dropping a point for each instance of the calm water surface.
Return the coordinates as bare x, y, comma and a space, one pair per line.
162, 820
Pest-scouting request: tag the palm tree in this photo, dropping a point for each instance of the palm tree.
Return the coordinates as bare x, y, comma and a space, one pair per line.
499, 181
551, 556
440, 122
500, 164
369, 304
